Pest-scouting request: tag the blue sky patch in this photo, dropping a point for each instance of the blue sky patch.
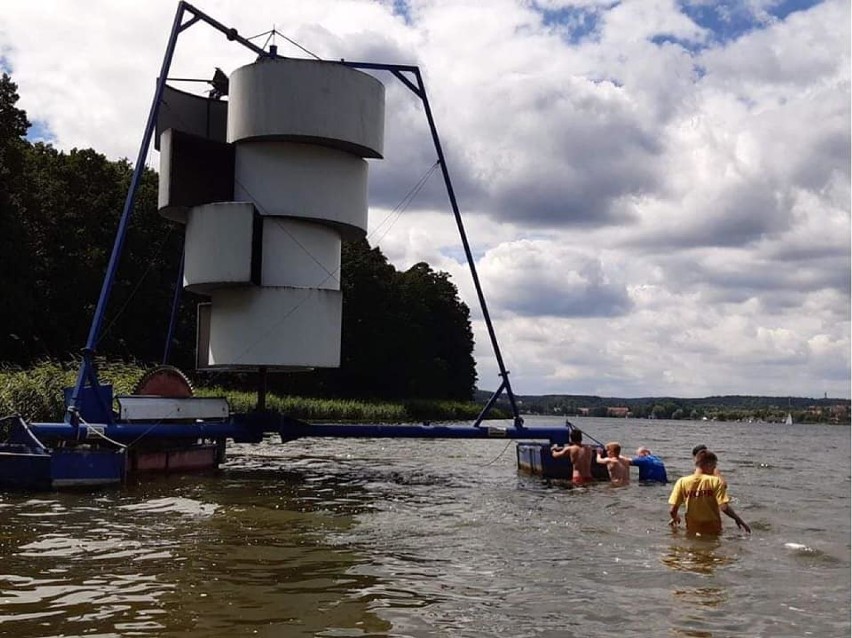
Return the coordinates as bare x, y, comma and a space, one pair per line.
728, 20
40, 132
577, 23
689, 45
401, 9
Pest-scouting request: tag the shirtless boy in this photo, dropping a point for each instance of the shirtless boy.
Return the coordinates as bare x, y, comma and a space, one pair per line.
580, 455
618, 466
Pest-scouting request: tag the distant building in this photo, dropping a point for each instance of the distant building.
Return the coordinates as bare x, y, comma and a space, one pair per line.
619, 412
839, 413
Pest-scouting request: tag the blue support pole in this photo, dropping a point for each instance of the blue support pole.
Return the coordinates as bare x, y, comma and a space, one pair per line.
175, 307
489, 404
554, 434
419, 89
251, 428
86, 370
465, 244
230, 33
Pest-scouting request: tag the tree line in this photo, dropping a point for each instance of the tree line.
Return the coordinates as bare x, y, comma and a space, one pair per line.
720, 408
406, 334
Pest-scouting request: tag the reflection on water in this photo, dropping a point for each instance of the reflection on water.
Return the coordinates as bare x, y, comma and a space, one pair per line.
700, 555
223, 556
703, 596
691, 633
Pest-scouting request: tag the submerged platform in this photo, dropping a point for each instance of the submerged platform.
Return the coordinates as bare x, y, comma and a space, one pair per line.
30, 463
535, 458
155, 435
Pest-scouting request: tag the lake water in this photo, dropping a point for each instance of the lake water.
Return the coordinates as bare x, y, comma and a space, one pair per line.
440, 538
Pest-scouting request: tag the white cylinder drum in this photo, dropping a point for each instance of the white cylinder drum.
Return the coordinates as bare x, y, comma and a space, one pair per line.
322, 103
303, 180
300, 254
299, 131
281, 328
218, 246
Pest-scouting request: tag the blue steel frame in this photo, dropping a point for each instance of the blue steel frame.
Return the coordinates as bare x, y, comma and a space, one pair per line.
251, 428
87, 372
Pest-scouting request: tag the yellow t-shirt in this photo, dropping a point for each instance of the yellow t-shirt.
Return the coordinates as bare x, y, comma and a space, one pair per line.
703, 494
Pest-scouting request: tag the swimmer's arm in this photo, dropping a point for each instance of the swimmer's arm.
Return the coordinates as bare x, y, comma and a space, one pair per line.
729, 511
675, 517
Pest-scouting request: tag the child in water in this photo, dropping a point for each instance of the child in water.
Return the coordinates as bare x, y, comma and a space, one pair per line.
705, 495
618, 466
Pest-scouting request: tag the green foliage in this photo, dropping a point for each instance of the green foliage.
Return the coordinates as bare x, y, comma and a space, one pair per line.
439, 339
16, 284
36, 393
422, 410
13, 121
71, 209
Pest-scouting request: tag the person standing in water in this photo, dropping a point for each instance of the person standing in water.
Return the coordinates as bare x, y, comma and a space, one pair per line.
703, 448
580, 456
651, 468
706, 498
618, 466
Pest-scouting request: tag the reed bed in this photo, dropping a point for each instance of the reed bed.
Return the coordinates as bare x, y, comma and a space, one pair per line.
36, 394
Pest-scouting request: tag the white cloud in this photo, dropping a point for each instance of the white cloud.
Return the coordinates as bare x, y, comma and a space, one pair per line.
655, 207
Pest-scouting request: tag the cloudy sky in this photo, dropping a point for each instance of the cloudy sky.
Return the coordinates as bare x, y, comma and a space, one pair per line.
657, 193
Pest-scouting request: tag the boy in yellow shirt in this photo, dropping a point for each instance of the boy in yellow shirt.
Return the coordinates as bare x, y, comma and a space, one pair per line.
705, 496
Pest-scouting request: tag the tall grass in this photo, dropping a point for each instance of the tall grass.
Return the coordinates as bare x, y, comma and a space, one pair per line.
36, 393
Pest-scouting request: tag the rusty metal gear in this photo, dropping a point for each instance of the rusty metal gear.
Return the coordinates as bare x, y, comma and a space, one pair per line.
164, 381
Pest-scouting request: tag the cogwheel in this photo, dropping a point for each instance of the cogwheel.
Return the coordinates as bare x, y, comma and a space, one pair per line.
164, 381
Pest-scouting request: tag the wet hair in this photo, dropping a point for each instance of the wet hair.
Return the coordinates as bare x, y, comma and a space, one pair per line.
576, 436
698, 448
615, 447
705, 457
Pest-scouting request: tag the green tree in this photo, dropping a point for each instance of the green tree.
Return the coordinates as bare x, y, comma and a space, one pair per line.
72, 209
372, 350
439, 338
16, 284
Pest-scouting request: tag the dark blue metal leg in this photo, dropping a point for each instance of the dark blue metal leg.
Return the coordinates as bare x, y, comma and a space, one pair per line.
86, 369
175, 306
465, 244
